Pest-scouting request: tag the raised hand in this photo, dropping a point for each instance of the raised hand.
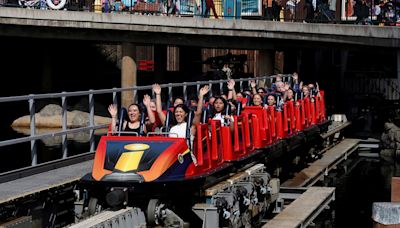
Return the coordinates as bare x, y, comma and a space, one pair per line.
146, 100
157, 88
295, 77
204, 90
287, 86
113, 110
231, 84
253, 84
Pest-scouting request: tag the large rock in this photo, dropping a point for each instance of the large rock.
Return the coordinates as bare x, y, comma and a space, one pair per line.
50, 117
390, 141
51, 110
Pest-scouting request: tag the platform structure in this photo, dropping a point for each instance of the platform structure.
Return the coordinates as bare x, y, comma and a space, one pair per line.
43, 182
335, 128
302, 211
332, 157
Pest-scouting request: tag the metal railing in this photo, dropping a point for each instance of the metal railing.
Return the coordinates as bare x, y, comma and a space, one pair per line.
288, 10
388, 88
63, 97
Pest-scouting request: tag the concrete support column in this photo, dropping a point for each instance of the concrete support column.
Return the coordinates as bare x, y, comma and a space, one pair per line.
128, 73
265, 64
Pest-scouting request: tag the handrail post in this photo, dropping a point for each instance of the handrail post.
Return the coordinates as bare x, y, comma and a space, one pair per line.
170, 98
198, 87
91, 121
184, 87
210, 85
114, 97
33, 131
64, 137
135, 96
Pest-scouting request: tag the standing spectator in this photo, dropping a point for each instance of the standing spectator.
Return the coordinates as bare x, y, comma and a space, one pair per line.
276, 7
173, 6
291, 9
361, 10
210, 4
268, 9
389, 13
332, 8
378, 10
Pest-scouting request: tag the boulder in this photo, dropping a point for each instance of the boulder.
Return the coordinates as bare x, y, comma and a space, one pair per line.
390, 141
50, 117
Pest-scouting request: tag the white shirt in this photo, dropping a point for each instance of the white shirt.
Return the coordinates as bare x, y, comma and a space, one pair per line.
178, 131
219, 116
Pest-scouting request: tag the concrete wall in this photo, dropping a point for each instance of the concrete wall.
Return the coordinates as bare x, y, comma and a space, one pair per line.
248, 34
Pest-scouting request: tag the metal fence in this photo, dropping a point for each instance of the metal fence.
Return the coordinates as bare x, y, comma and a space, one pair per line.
386, 87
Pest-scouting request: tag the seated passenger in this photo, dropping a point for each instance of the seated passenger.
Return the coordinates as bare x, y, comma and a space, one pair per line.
271, 100
192, 103
305, 91
257, 100
178, 101
281, 88
133, 123
219, 112
313, 90
181, 112
239, 95
261, 91
289, 95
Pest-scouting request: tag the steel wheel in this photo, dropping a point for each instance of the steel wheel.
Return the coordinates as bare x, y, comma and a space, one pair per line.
152, 211
93, 205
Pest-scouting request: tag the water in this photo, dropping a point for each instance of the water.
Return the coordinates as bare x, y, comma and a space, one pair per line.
357, 190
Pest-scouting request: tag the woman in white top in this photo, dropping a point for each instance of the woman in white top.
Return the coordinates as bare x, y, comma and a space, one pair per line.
181, 112
217, 113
